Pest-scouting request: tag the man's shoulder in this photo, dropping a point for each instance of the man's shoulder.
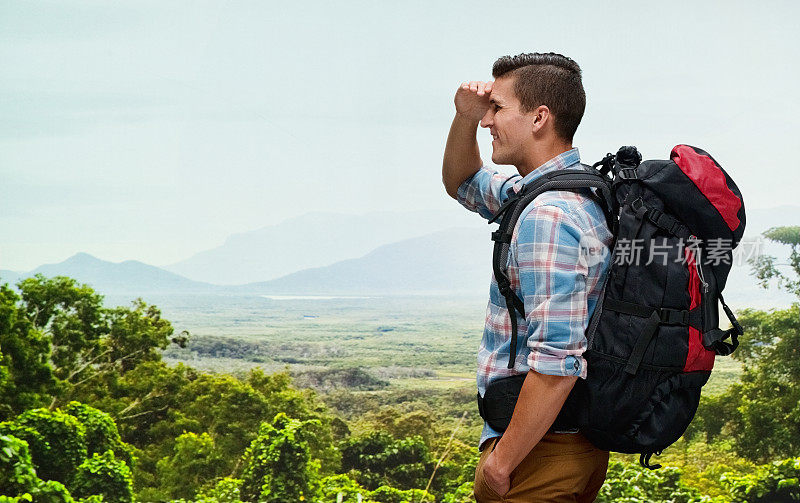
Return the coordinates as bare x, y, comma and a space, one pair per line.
576, 213
575, 208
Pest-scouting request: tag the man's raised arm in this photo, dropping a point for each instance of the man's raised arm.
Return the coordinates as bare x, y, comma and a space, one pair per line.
462, 158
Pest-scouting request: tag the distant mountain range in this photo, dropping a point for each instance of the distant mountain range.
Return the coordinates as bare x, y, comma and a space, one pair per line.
310, 240
454, 260
451, 260
130, 277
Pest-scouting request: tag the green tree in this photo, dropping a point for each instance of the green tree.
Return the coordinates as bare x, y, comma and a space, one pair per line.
18, 479
766, 267
17, 474
278, 464
58, 342
378, 459
57, 441
26, 377
229, 409
776, 483
463, 494
71, 315
101, 431
387, 494
226, 490
138, 334
146, 404
333, 485
301, 404
154, 404
195, 462
104, 475
713, 414
629, 483
761, 413
400, 423
458, 459
767, 425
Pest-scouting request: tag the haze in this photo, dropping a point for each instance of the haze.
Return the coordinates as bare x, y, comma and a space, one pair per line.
154, 130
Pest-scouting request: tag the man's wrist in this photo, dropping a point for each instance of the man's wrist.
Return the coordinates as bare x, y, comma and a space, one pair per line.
467, 119
500, 463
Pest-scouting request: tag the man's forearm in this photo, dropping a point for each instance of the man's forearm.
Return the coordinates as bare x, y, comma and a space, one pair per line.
462, 158
538, 405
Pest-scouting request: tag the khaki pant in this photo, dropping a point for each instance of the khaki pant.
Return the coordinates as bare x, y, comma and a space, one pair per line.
562, 467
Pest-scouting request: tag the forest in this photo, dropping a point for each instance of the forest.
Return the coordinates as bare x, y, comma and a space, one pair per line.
90, 411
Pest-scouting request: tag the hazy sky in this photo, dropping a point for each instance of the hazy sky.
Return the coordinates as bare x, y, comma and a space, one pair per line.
153, 130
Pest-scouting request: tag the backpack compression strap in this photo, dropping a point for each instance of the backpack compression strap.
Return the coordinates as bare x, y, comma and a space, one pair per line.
715, 339
510, 211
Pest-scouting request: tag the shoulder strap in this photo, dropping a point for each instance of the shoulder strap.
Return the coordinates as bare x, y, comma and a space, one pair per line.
715, 339
510, 211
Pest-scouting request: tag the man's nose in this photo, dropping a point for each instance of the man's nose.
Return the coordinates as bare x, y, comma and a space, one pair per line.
486, 120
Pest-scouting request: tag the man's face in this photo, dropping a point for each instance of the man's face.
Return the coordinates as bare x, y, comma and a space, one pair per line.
510, 128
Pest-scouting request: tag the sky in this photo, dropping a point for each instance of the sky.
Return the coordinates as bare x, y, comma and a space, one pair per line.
153, 130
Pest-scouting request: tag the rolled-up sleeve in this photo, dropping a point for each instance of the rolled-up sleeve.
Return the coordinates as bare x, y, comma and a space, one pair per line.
552, 280
485, 191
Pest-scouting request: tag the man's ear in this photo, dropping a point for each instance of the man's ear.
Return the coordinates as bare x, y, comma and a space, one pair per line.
541, 118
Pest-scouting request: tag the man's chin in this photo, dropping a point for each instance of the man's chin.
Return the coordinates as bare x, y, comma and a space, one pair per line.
498, 159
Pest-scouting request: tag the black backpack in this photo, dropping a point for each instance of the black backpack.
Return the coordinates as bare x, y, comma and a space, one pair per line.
654, 334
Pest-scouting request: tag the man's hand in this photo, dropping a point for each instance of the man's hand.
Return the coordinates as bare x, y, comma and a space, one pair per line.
472, 99
538, 405
462, 158
497, 479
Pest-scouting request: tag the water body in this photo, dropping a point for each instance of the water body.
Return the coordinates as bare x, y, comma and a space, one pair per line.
312, 297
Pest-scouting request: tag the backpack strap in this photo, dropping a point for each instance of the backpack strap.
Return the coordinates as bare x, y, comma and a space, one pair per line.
640, 211
510, 211
715, 339
658, 218
656, 316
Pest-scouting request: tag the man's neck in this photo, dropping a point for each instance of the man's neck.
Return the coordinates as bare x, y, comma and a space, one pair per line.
540, 154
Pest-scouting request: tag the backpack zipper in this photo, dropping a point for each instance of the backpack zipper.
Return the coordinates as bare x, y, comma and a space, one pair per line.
699, 269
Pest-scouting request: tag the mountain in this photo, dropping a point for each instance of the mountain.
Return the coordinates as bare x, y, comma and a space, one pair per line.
449, 261
459, 261
128, 277
310, 240
316, 240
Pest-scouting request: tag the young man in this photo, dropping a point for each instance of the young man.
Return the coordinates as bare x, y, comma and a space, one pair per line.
532, 110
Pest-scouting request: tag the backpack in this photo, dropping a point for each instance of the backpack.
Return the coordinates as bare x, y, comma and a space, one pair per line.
653, 336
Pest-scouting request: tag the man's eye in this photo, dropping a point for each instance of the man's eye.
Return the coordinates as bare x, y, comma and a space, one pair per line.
496, 108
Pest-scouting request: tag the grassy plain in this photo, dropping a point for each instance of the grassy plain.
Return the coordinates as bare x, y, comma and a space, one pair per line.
392, 337
359, 353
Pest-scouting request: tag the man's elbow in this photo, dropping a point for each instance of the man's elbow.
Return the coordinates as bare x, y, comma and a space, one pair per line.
450, 186
451, 189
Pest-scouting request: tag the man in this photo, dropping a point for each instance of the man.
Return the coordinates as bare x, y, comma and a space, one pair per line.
532, 110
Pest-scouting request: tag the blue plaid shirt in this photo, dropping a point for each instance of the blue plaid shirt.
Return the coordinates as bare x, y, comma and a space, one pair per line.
558, 258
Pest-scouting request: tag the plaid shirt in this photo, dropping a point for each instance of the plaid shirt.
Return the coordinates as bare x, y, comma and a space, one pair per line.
558, 258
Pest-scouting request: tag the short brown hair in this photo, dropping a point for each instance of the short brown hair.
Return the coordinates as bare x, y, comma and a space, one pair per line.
547, 79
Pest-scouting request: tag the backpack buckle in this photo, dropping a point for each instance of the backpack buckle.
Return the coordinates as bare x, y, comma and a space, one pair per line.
501, 237
628, 173
674, 317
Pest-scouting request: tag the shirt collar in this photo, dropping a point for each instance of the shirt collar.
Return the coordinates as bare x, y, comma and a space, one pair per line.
561, 161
